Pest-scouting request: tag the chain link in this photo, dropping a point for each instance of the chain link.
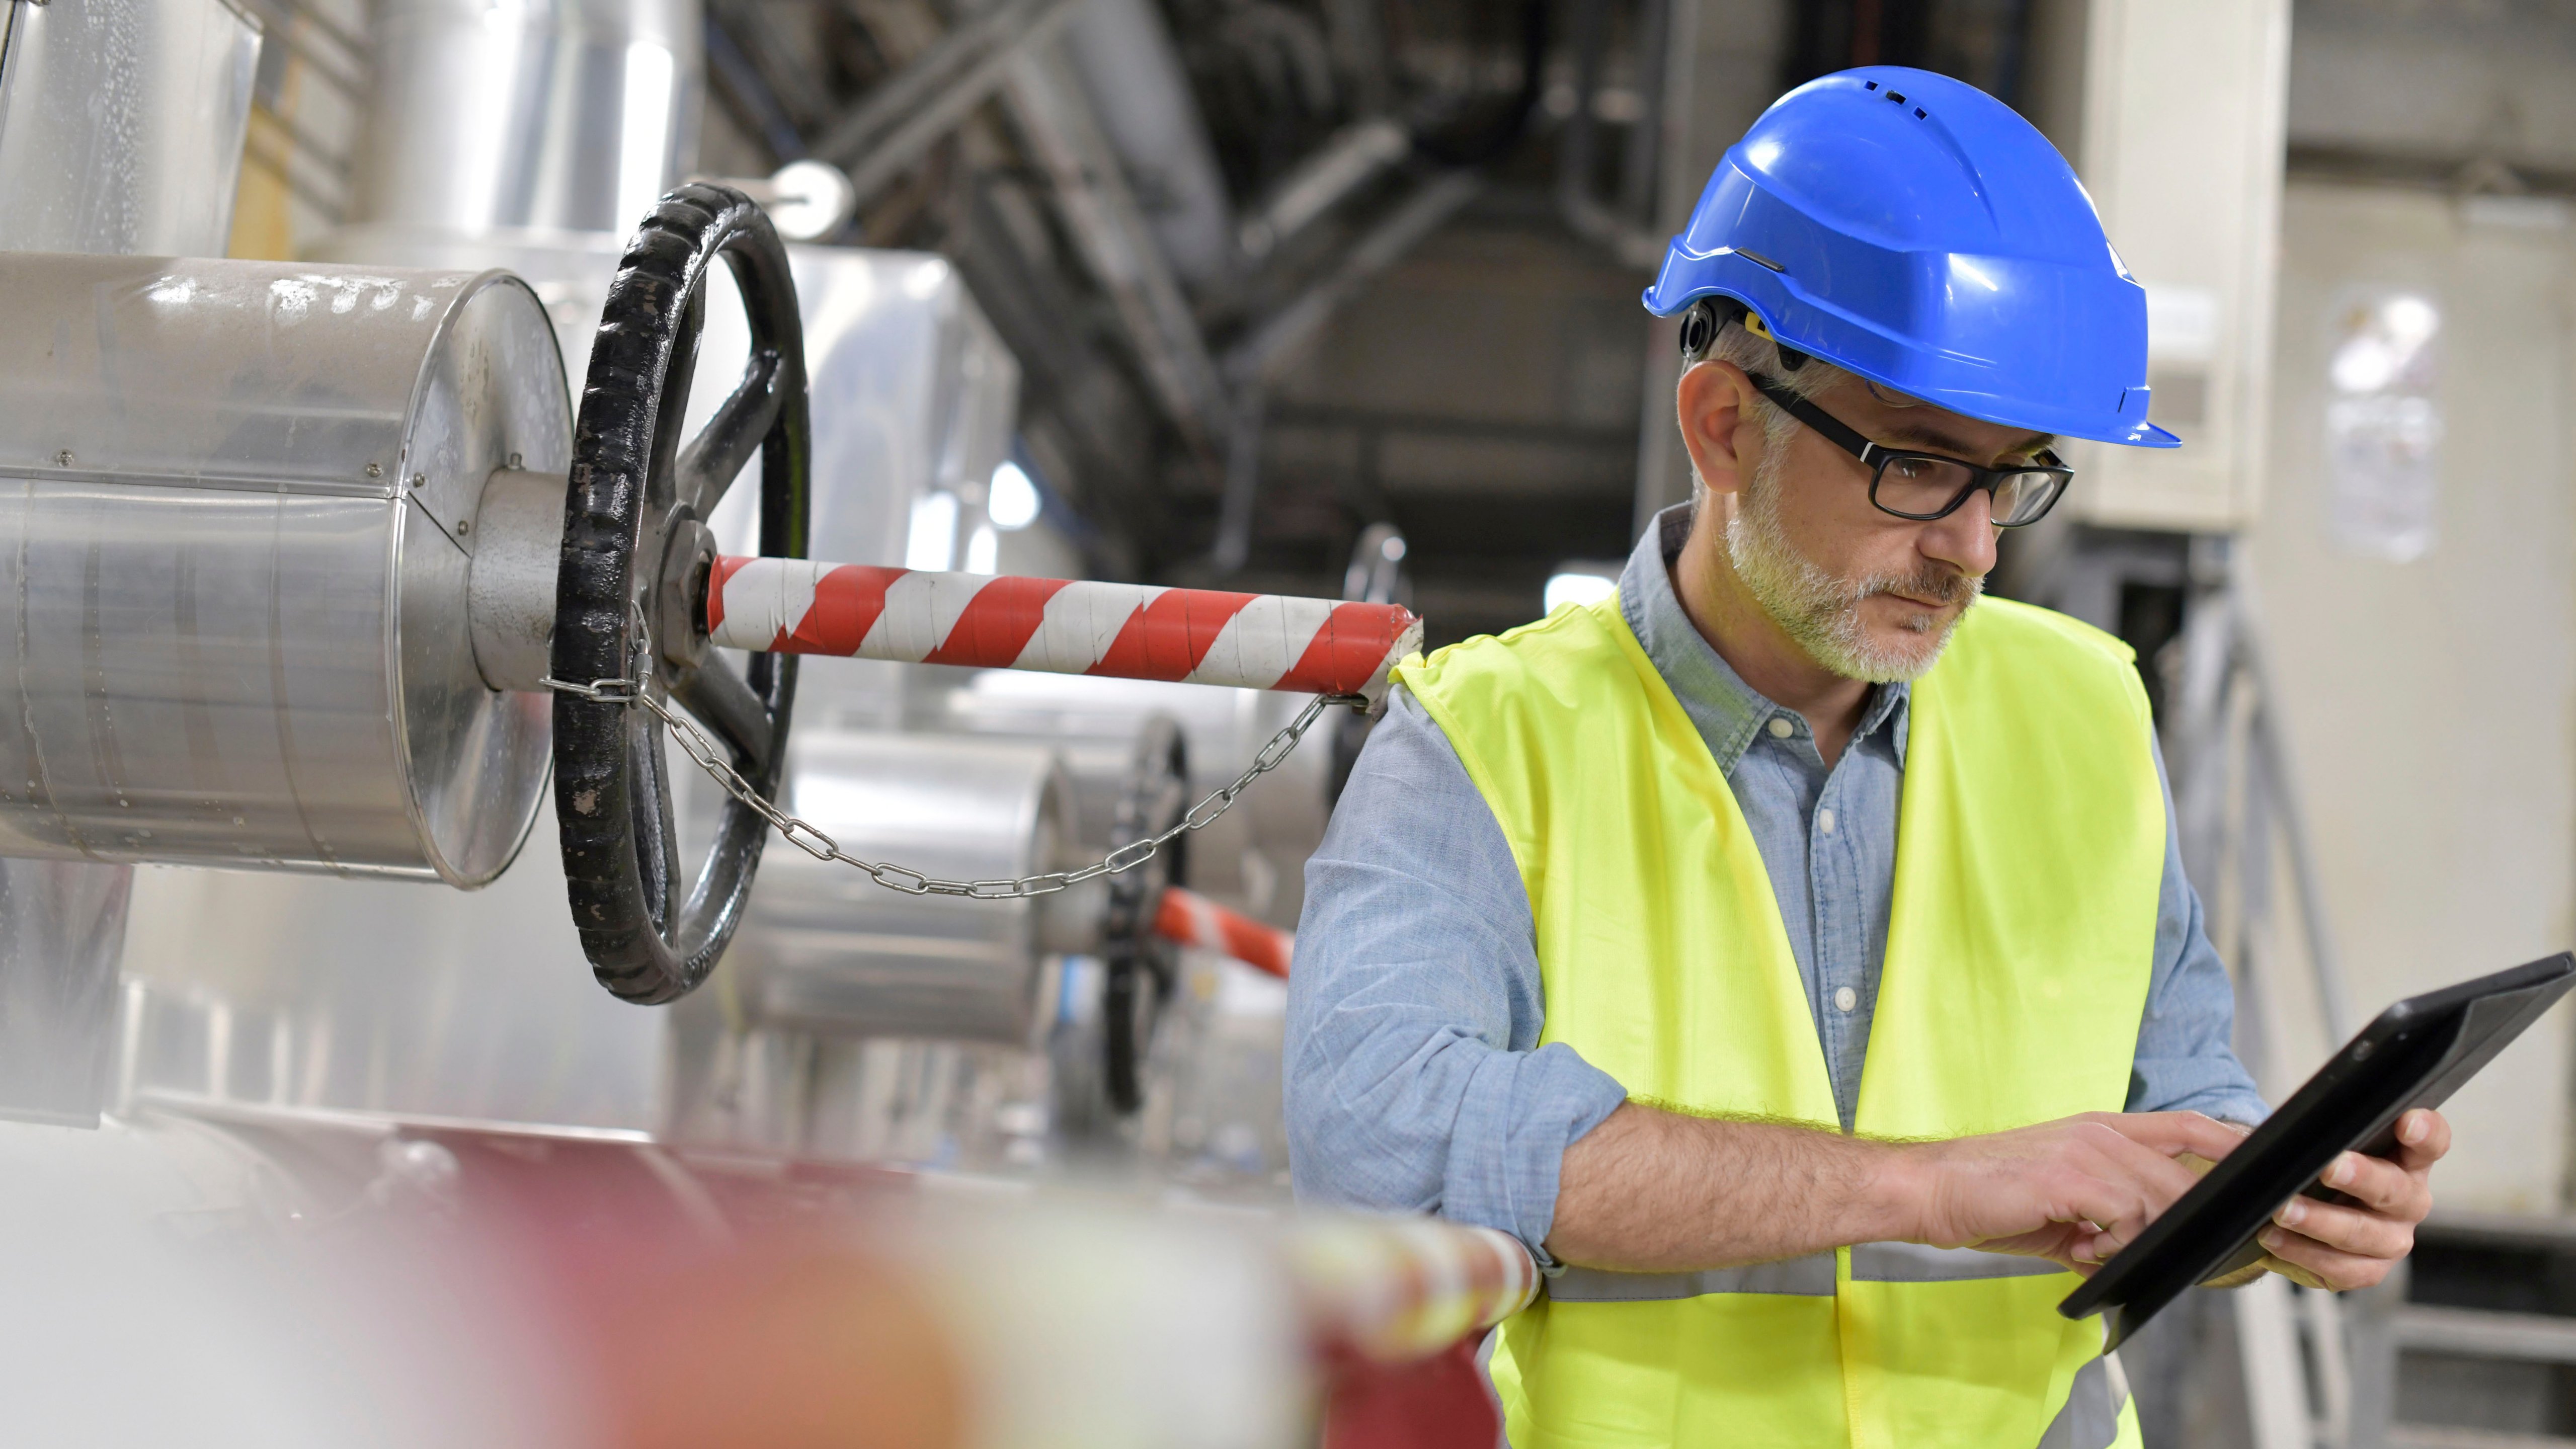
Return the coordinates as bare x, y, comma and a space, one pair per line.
816, 842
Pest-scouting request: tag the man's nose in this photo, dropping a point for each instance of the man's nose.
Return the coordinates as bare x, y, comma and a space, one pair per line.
1966, 539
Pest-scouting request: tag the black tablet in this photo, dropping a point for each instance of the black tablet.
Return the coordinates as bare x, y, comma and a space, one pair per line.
2415, 1055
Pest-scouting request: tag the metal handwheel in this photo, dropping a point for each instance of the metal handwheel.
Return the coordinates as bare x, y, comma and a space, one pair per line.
1137, 962
630, 597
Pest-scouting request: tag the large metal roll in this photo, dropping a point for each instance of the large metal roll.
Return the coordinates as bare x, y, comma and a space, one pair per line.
233, 565
1253, 857
825, 948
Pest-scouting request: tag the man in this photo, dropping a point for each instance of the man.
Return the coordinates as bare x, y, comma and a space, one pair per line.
1809, 1104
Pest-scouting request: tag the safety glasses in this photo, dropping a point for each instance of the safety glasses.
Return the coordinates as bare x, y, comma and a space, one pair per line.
1926, 486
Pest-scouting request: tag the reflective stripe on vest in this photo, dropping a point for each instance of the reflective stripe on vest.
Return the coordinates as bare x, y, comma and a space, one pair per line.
2094, 1408
2030, 849
1812, 1275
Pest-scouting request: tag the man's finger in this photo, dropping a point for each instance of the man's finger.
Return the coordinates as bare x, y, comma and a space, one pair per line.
2423, 1136
2270, 1264
2164, 1175
2380, 1185
2351, 1230
2332, 1268
2123, 1186
2175, 1133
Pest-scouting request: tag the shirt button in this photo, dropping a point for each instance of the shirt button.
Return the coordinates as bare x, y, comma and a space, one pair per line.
1825, 821
1845, 998
1781, 729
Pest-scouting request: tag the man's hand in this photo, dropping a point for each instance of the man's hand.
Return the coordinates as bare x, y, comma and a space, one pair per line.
2074, 1191
2326, 1245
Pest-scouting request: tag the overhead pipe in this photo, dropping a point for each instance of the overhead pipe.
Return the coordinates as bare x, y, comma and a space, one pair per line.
1132, 73
1355, 155
1003, 53
1117, 242
1590, 219
900, 119
1254, 363
1646, 140
1263, 354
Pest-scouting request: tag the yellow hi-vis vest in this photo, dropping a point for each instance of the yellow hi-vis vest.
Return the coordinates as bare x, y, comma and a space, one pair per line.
2030, 851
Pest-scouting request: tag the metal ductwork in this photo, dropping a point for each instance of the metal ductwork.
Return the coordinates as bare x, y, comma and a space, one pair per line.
1132, 72
121, 124
532, 116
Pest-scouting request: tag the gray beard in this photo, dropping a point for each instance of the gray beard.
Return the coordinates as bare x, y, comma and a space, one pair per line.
1820, 612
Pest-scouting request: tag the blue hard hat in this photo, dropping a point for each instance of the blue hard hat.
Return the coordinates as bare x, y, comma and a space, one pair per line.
1914, 230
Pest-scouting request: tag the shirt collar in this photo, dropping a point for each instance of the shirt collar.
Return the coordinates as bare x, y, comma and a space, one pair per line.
1728, 711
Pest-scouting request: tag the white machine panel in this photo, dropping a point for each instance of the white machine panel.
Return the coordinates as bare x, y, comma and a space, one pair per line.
2181, 148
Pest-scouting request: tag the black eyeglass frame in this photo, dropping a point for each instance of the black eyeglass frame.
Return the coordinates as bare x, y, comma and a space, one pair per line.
1876, 457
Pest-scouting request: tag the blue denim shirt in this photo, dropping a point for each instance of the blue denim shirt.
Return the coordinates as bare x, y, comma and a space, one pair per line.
1414, 1076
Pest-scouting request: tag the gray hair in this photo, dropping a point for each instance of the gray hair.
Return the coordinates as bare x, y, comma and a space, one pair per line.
1760, 356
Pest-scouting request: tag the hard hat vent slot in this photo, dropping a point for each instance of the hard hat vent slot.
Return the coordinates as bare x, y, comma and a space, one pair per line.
1918, 114
1873, 85
1897, 96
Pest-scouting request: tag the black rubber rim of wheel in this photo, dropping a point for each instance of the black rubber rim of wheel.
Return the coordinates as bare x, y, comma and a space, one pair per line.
1156, 795
612, 796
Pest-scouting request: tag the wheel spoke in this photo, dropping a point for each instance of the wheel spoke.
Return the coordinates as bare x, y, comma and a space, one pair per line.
717, 454
722, 702
657, 850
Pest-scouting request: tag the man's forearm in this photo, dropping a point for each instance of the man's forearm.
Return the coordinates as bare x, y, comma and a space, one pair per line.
1654, 1191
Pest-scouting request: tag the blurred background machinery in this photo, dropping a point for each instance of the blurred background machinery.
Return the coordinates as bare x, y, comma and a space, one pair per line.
1337, 297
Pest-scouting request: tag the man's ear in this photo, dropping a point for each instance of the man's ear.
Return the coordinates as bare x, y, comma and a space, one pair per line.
1720, 427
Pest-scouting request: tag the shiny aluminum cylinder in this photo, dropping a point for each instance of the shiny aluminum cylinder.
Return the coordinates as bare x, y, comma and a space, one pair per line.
527, 116
236, 509
121, 123
1252, 859
827, 949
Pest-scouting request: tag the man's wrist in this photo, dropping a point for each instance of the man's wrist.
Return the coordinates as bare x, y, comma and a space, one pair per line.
1896, 1183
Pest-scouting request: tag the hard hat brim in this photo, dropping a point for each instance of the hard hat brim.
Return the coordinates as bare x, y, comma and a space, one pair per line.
2098, 426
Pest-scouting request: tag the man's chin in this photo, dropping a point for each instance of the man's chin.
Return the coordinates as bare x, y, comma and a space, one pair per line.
1901, 649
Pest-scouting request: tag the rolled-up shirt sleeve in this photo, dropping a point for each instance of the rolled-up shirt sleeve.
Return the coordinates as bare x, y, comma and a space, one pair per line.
1413, 1075
2186, 1060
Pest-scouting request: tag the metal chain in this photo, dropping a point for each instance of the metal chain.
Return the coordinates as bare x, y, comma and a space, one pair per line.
811, 839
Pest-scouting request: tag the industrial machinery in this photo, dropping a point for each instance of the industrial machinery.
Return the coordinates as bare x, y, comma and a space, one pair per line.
307, 617
351, 480
360, 995
318, 579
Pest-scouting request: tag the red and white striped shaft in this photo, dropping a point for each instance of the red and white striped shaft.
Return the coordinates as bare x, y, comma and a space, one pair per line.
1194, 920
1126, 631
1395, 1290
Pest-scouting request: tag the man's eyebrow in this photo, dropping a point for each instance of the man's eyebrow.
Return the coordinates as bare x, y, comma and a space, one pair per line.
1930, 437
